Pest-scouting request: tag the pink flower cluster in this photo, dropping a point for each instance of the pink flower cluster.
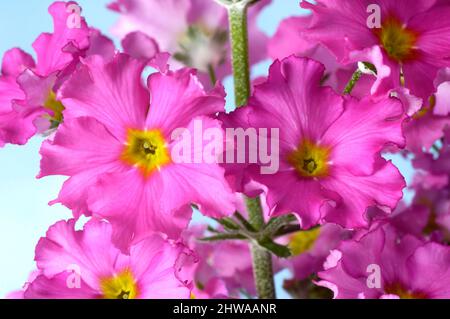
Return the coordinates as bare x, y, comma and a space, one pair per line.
110, 131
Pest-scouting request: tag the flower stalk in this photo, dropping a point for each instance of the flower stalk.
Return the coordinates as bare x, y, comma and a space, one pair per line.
354, 79
261, 257
237, 14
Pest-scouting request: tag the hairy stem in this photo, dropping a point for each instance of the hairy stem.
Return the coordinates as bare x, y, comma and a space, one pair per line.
263, 272
351, 84
237, 14
261, 258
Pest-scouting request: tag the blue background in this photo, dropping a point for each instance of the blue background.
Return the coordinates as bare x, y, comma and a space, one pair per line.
24, 213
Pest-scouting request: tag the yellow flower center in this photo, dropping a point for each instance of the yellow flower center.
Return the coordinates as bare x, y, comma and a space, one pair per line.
121, 286
310, 159
303, 240
397, 41
397, 289
57, 107
146, 150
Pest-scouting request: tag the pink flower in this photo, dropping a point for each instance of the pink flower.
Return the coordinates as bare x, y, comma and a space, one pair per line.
85, 265
292, 38
431, 186
116, 146
330, 168
310, 248
224, 267
424, 128
194, 32
57, 54
413, 36
28, 90
413, 220
15, 127
382, 265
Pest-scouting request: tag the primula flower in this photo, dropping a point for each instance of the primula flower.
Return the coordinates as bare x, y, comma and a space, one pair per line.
116, 146
194, 32
413, 35
86, 265
15, 127
382, 265
431, 186
330, 165
437, 204
290, 38
311, 247
224, 267
438, 165
56, 54
424, 128
414, 220
28, 90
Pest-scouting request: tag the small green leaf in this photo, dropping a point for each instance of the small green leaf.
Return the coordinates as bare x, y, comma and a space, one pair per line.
277, 249
244, 222
370, 67
228, 223
223, 237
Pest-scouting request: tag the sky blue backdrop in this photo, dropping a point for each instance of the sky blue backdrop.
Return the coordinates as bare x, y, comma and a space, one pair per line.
24, 213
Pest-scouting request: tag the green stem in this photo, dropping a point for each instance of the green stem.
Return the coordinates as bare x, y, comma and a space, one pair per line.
263, 272
212, 74
261, 258
351, 84
237, 14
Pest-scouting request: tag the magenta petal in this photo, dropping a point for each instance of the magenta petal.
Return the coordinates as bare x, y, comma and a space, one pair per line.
429, 266
140, 46
136, 206
56, 288
177, 97
287, 40
109, 91
15, 61
293, 101
419, 76
424, 131
91, 251
340, 25
289, 194
366, 127
82, 149
434, 29
16, 126
383, 188
154, 261
100, 44
52, 50
68, 153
